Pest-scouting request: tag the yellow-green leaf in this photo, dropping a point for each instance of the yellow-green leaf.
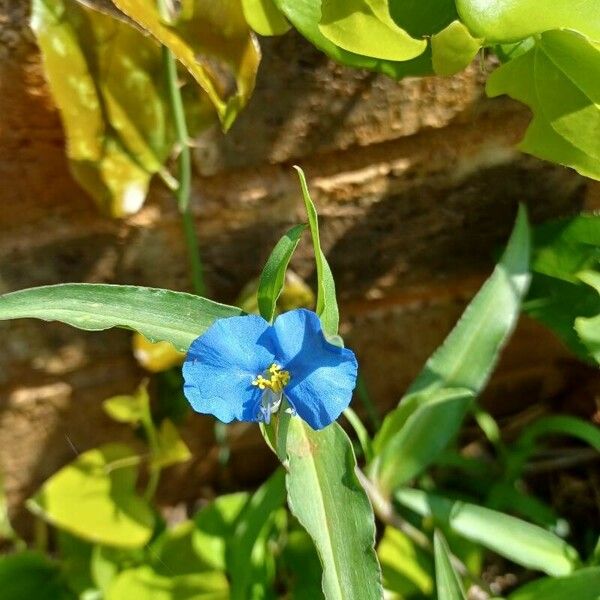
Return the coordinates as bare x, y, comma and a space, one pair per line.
453, 49
264, 17
213, 41
171, 448
94, 498
366, 27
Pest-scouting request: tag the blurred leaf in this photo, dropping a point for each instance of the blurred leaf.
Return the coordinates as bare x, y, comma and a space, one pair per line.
461, 366
453, 49
566, 252
159, 315
94, 498
107, 562
75, 559
171, 448
365, 27
301, 560
305, 15
129, 409
113, 103
512, 20
407, 569
519, 541
264, 17
561, 425
327, 307
31, 575
173, 552
423, 18
145, 584
584, 584
214, 526
272, 278
155, 357
589, 329
559, 80
326, 497
212, 40
266, 500
6, 530
447, 581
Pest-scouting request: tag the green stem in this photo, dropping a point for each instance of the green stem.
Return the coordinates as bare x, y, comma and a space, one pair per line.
183, 191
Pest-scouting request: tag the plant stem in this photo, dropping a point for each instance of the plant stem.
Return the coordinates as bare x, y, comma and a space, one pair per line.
185, 169
384, 509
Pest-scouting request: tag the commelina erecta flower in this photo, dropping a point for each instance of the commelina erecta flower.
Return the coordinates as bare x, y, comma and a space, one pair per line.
240, 368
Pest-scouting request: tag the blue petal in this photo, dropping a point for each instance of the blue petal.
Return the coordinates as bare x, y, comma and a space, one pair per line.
221, 364
323, 375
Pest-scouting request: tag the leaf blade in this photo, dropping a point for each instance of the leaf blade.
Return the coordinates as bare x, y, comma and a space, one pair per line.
160, 315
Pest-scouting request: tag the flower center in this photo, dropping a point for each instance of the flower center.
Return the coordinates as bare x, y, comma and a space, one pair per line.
272, 385
278, 379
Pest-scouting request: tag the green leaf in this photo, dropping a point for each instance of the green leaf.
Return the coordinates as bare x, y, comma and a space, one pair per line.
423, 18
263, 503
588, 329
272, 278
129, 409
94, 498
213, 43
159, 315
305, 15
448, 583
519, 541
460, 367
561, 425
301, 562
566, 254
453, 49
264, 17
407, 569
75, 558
31, 575
327, 307
214, 526
422, 437
366, 27
173, 552
581, 585
171, 448
326, 497
145, 584
558, 79
512, 20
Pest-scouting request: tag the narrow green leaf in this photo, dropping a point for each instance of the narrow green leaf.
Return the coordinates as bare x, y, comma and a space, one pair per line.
517, 540
448, 583
94, 498
272, 278
459, 369
263, 503
159, 315
584, 584
407, 568
422, 437
327, 307
512, 20
325, 495
264, 17
453, 49
366, 27
561, 425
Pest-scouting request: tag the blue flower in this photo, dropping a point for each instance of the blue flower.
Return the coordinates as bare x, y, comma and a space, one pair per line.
240, 368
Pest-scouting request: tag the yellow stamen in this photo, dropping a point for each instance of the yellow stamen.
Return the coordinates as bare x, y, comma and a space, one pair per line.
276, 382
